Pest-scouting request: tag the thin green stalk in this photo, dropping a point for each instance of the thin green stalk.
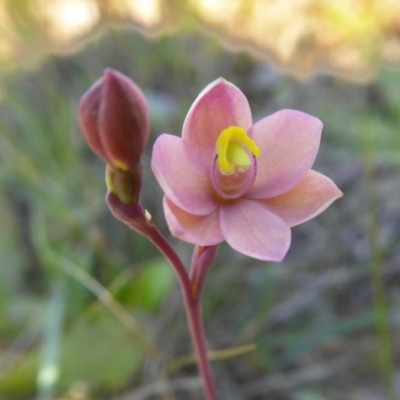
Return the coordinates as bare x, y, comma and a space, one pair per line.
380, 304
49, 365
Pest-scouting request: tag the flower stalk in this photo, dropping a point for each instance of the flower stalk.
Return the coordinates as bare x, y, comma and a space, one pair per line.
191, 285
196, 327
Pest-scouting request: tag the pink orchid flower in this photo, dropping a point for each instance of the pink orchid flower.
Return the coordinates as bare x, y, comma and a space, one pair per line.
227, 179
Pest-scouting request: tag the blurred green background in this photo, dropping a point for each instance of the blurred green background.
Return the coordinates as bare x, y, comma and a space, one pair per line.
89, 310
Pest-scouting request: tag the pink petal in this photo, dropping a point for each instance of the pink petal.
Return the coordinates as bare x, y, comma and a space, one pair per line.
218, 106
252, 229
182, 175
306, 200
289, 142
202, 230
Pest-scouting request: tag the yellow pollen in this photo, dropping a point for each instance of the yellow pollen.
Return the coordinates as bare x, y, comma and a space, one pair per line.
233, 148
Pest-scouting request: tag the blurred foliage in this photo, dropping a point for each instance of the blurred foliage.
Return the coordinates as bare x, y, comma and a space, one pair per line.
92, 303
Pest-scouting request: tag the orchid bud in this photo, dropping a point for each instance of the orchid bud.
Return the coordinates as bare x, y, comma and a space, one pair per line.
114, 118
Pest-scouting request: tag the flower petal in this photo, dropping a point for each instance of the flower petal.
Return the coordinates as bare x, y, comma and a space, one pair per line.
252, 229
310, 197
201, 230
289, 142
182, 175
220, 105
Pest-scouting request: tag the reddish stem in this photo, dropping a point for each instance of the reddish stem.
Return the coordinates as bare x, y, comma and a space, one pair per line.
192, 289
196, 326
201, 263
135, 217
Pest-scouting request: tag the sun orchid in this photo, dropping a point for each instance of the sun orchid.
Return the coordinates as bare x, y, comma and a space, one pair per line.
227, 179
